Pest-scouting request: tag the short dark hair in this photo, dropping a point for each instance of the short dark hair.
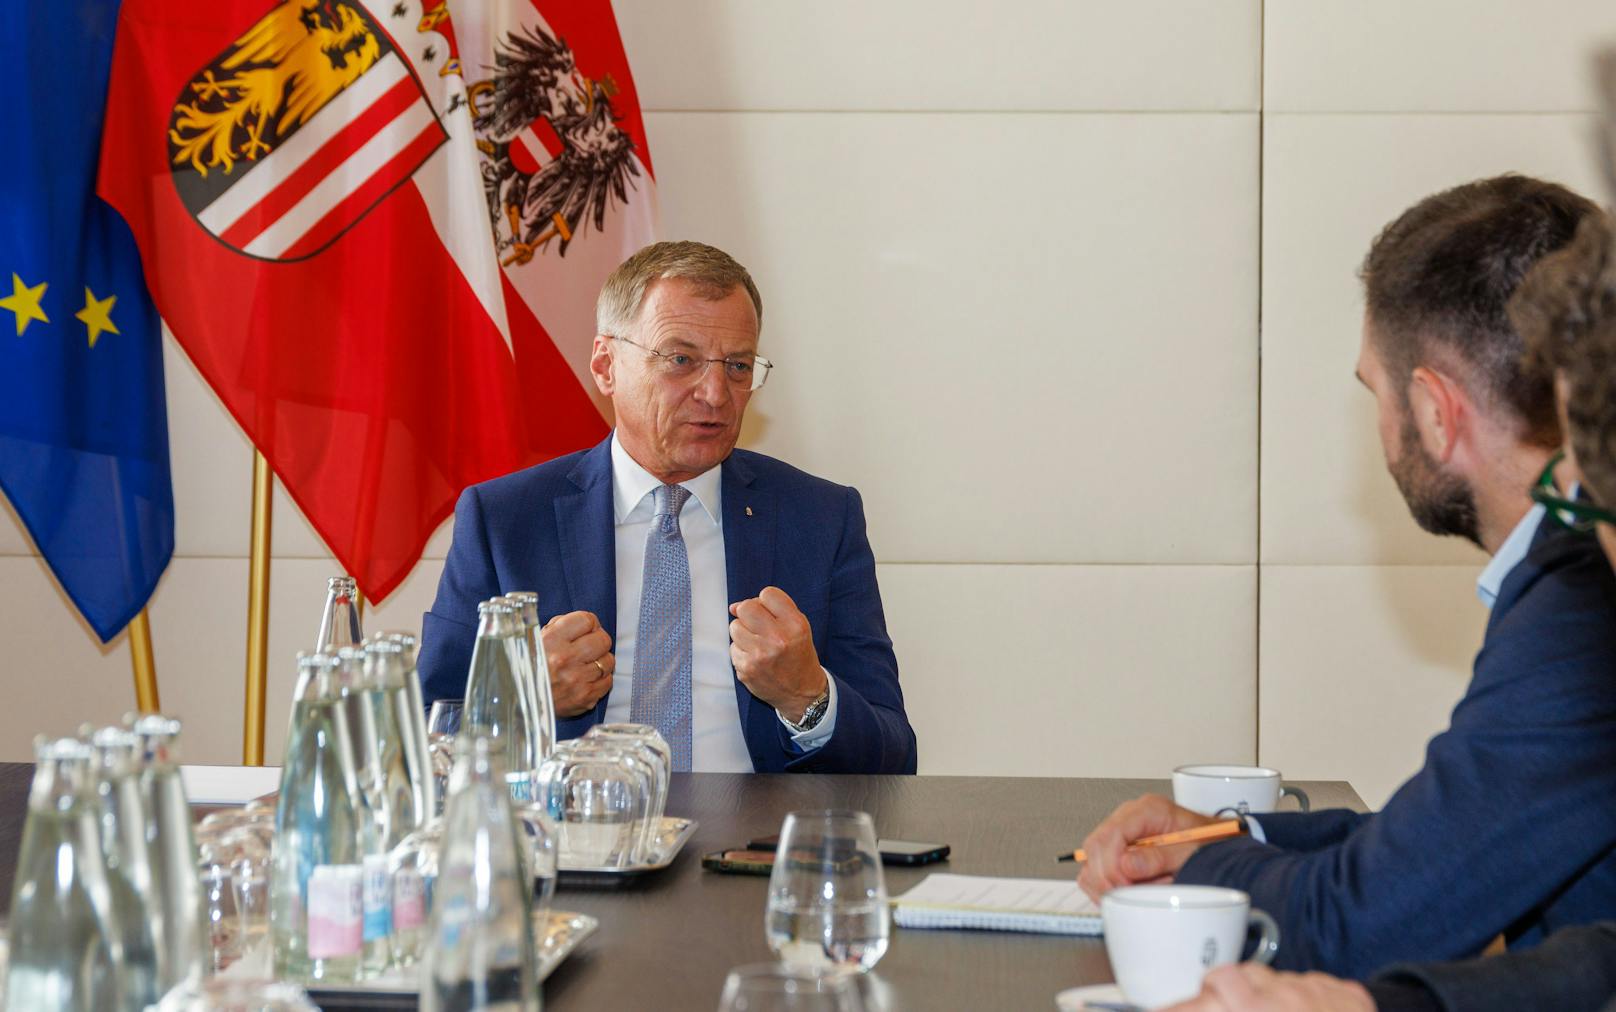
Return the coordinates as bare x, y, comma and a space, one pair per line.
1437, 280
1566, 310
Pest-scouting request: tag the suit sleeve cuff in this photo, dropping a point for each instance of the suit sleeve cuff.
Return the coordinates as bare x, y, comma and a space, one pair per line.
820, 733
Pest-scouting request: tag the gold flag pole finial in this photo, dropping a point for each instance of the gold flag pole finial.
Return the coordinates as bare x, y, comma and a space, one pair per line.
252, 735
140, 658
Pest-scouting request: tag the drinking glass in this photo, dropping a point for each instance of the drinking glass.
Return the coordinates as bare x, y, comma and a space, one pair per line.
224, 920
227, 994
774, 987
217, 824
635, 757
597, 801
249, 855
443, 720
442, 727
649, 744
827, 897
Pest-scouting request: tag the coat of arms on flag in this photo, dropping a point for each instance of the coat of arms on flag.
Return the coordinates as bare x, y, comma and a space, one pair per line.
300, 127
555, 160
566, 168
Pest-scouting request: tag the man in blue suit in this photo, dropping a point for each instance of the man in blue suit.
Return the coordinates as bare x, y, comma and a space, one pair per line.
720, 595
1509, 828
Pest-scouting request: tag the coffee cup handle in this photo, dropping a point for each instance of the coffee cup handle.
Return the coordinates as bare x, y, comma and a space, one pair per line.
1300, 796
1268, 944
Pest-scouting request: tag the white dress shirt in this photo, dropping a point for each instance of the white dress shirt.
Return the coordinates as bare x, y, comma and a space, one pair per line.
1509, 555
717, 744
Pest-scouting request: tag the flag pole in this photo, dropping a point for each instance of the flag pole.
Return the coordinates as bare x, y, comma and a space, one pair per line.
140, 658
252, 735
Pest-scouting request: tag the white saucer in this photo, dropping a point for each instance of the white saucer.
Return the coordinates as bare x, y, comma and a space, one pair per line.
1077, 999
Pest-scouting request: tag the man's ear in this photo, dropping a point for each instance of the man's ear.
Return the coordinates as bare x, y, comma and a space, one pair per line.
1440, 408
600, 365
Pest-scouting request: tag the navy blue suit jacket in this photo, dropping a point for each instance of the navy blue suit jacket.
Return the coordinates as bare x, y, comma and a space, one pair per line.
1509, 828
550, 529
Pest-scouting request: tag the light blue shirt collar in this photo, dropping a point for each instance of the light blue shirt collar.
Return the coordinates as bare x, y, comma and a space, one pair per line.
1508, 556
631, 484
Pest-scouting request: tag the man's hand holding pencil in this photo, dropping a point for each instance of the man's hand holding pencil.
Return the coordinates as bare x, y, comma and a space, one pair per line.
1116, 853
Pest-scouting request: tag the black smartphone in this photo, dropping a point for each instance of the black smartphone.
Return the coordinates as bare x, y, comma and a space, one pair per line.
910, 852
739, 862
898, 852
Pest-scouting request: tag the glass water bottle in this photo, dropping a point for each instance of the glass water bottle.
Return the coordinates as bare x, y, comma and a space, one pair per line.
61, 928
527, 603
182, 912
421, 774
316, 912
116, 767
339, 623
481, 943
496, 705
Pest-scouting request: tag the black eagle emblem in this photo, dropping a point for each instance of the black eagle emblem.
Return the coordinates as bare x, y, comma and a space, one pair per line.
585, 165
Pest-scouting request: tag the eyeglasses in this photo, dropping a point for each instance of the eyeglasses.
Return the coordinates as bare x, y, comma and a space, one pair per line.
1577, 514
743, 372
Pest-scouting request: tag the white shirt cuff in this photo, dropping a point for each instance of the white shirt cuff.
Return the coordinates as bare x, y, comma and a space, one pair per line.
820, 733
1253, 827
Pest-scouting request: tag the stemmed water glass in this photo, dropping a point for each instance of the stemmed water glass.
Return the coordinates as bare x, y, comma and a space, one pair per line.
827, 904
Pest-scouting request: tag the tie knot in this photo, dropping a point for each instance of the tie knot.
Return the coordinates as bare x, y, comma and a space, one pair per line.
670, 499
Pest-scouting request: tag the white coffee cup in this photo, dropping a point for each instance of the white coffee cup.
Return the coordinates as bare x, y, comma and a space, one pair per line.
1163, 938
1220, 790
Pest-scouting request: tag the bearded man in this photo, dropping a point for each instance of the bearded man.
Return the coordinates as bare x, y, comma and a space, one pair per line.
1509, 827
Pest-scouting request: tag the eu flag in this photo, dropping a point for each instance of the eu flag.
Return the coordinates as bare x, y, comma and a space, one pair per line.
83, 427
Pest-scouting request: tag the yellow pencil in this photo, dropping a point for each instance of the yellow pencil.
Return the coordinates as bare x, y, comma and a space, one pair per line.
1200, 834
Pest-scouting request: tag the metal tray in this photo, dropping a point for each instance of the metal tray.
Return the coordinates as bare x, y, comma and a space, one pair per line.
563, 933
671, 839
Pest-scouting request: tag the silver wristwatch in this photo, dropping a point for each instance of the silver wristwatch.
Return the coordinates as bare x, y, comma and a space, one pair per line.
814, 714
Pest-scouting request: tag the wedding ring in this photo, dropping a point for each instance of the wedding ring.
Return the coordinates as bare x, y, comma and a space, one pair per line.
599, 668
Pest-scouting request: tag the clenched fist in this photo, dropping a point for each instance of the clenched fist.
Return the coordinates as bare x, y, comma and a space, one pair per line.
772, 649
581, 662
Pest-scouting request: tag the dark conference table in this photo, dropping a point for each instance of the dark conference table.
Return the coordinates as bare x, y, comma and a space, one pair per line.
667, 940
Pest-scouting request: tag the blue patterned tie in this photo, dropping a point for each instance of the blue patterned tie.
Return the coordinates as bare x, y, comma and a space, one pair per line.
661, 695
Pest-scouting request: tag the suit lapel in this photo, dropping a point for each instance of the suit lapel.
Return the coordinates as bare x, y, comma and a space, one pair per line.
749, 526
586, 527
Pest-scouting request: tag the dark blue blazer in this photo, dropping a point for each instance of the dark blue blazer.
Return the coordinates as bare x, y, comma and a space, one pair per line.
550, 529
1574, 971
1510, 827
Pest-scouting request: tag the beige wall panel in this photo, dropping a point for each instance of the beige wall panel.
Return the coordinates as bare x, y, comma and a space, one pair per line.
1023, 337
1074, 671
958, 54
1361, 665
61, 676
1434, 55
1329, 184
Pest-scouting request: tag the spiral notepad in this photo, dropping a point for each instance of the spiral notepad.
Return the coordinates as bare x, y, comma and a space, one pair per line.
1040, 906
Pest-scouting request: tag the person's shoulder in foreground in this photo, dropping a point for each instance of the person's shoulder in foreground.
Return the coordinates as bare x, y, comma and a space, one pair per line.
1526, 767
1565, 309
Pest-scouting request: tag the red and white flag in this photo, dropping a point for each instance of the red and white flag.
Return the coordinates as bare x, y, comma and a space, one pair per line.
313, 206
566, 169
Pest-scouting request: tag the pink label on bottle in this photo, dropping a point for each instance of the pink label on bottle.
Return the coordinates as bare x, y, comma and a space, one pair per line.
336, 911
409, 900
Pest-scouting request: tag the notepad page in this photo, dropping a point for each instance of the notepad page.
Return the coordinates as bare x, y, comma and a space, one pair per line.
942, 900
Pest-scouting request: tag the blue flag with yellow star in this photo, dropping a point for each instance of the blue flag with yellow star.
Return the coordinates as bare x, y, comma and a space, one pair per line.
83, 424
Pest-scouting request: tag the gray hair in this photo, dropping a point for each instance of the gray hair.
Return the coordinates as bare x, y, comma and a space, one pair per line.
714, 273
